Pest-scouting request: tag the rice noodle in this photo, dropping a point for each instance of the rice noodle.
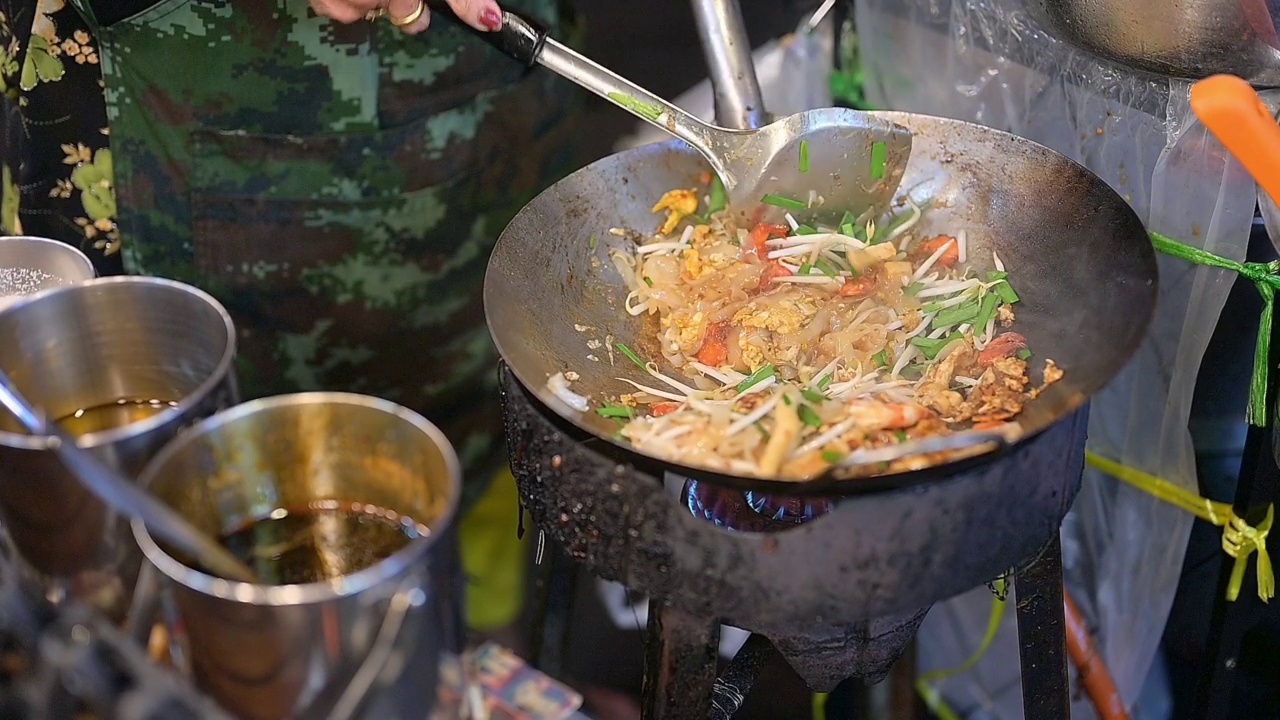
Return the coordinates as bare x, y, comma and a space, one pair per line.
806, 343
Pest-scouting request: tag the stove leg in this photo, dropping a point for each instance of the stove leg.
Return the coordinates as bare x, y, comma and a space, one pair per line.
733, 686
1042, 639
555, 590
681, 653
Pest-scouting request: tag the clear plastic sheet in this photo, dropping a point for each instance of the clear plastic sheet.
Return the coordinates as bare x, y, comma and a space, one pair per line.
985, 61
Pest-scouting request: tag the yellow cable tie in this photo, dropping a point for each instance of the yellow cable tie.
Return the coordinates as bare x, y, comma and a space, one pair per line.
1239, 539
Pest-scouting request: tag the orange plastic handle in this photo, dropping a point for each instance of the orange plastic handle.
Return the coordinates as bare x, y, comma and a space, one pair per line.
1231, 110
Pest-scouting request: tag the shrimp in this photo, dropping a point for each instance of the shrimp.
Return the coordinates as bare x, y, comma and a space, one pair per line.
869, 415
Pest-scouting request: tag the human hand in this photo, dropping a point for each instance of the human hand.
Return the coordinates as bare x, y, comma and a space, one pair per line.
482, 15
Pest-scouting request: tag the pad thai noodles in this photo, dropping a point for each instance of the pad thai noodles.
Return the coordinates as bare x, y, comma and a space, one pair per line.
787, 347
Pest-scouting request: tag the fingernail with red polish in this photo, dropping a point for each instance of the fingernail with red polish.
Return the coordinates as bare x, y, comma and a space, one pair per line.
491, 18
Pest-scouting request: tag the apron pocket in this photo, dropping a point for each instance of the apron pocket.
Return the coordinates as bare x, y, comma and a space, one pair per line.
323, 291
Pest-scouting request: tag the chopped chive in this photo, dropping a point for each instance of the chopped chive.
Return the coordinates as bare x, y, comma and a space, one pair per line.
847, 229
902, 436
805, 230
591, 242
805, 268
808, 416
813, 396
615, 411
639, 107
757, 377
879, 154
716, 198
632, 356
831, 456
913, 288
988, 311
995, 275
824, 382
881, 359
933, 307
825, 267
1006, 293
1024, 354
785, 203
930, 347
848, 218
804, 156
962, 313
648, 281
786, 399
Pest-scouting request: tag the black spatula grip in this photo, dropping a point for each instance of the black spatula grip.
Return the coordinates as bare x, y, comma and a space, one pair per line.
520, 37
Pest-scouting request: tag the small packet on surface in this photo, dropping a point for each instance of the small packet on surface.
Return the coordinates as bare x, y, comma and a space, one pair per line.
508, 688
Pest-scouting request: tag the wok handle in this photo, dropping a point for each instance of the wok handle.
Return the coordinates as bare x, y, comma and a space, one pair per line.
520, 37
1231, 109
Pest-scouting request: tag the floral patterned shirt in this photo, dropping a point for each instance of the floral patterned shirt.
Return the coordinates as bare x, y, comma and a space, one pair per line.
56, 159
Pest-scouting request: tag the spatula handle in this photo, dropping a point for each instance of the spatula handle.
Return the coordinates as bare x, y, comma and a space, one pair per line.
520, 36
1231, 109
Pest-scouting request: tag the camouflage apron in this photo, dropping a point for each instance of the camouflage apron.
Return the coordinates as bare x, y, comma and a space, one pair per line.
337, 187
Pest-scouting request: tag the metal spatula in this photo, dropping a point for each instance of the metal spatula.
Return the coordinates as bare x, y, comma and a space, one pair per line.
816, 164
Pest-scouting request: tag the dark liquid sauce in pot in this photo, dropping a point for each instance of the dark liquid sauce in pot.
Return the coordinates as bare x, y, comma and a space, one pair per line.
321, 541
110, 416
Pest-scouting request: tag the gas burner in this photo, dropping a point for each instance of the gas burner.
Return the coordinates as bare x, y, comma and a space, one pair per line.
756, 512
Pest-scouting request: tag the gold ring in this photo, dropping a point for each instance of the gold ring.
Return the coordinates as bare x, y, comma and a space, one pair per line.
413, 16
375, 14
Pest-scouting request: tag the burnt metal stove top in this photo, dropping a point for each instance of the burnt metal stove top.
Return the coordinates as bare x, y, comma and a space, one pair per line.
838, 584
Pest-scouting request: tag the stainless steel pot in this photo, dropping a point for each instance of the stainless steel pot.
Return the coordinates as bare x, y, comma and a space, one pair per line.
80, 351
364, 645
31, 264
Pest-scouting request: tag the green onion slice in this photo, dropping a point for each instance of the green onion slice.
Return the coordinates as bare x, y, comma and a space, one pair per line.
757, 377
804, 156
615, 411
631, 356
879, 154
716, 198
785, 203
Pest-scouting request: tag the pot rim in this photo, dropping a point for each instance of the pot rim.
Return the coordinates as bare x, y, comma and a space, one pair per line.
388, 568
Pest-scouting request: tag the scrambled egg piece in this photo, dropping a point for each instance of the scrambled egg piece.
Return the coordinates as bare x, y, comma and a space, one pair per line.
1052, 373
701, 235
786, 316
679, 204
694, 266
1004, 315
688, 328
751, 355
910, 320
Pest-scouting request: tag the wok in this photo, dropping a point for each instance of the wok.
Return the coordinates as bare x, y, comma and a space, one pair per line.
1190, 39
1077, 254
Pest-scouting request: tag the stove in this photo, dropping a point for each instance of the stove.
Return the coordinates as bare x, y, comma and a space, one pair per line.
837, 584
